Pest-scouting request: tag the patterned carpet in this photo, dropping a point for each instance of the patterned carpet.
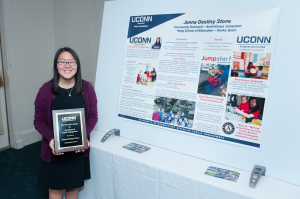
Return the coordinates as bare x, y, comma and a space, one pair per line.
19, 173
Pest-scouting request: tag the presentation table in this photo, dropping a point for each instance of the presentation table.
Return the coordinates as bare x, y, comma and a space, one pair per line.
118, 173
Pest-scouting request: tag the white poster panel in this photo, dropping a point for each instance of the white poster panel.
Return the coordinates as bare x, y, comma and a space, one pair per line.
206, 74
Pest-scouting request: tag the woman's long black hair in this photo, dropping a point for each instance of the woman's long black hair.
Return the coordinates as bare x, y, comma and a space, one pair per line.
156, 40
55, 79
248, 67
258, 104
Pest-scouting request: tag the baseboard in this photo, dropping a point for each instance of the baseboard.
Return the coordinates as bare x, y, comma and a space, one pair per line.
31, 136
4, 148
19, 144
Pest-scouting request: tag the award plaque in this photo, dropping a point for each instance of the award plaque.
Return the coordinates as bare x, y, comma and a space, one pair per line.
69, 130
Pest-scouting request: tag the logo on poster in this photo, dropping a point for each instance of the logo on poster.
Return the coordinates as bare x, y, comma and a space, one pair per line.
218, 59
141, 19
253, 39
228, 128
140, 40
68, 119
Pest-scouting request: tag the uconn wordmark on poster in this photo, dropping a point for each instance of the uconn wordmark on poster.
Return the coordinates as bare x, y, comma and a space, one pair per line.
141, 19
253, 39
140, 40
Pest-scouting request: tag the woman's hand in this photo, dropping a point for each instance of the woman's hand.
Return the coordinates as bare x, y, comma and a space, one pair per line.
83, 150
51, 144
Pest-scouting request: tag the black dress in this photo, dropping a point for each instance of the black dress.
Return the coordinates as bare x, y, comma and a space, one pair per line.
66, 171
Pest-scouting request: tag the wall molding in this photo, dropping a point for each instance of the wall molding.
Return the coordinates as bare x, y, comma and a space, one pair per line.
9, 72
31, 136
27, 137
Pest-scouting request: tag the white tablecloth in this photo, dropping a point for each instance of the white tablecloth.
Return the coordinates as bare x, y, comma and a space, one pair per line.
118, 173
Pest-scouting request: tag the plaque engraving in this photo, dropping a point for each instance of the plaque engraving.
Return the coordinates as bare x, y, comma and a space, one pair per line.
69, 130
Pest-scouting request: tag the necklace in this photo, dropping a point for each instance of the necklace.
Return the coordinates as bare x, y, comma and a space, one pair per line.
68, 89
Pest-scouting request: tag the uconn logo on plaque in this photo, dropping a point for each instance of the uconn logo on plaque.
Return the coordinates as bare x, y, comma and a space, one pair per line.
69, 119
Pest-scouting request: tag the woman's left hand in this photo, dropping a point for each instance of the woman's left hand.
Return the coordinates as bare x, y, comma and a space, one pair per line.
83, 150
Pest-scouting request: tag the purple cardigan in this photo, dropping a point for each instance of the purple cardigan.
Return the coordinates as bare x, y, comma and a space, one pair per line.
42, 116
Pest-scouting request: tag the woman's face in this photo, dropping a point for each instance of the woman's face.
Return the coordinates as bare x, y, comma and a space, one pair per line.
253, 103
67, 71
251, 64
158, 40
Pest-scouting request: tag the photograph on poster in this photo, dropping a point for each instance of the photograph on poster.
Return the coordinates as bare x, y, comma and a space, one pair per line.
245, 109
146, 75
251, 65
157, 44
174, 111
213, 79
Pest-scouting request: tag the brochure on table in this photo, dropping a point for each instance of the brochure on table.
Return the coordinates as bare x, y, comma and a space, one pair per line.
206, 74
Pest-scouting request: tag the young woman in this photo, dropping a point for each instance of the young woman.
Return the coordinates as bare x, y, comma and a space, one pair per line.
157, 44
153, 75
138, 79
148, 79
169, 121
163, 118
156, 114
172, 117
179, 122
248, 70
175, 121
170, 114
252, 113
66, 90
182, 116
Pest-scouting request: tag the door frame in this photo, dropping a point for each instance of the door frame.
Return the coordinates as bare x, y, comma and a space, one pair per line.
6, 140
9, 73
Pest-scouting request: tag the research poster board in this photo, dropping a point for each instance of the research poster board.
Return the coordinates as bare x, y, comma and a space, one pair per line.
205, 73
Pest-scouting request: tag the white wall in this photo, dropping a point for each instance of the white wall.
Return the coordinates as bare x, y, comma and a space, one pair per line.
28, 45
31, 32
74, 26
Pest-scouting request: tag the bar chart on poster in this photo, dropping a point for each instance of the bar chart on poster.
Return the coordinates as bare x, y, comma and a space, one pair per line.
203, 82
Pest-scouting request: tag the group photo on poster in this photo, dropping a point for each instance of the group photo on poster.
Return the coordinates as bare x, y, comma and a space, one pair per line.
174, 111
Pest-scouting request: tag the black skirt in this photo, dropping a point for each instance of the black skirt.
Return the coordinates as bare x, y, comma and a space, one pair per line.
66, 171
